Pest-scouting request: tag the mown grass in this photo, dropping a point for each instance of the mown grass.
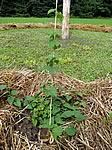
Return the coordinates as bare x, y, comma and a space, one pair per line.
86, 56
97, 21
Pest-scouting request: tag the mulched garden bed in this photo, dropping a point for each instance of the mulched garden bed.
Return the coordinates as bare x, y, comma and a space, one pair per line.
87, 27
18, 133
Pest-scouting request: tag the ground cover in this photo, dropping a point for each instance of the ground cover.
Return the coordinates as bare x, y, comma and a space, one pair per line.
86, 56
94, 21
17, 132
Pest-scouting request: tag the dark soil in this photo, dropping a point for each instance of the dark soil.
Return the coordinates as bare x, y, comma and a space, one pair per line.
26, 128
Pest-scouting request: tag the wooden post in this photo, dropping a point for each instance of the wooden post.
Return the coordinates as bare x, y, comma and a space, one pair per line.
66, 15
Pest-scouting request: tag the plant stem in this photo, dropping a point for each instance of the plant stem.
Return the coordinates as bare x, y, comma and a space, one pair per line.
50, 112
56, 15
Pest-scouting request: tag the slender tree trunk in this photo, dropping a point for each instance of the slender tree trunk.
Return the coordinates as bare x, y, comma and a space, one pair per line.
66, 16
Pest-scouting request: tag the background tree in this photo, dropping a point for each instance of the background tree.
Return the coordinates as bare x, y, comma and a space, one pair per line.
39, 8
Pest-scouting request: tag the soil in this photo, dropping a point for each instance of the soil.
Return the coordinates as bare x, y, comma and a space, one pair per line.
25, 127
88, 27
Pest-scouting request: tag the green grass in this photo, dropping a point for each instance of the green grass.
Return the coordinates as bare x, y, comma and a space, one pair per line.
86, 56
98, 21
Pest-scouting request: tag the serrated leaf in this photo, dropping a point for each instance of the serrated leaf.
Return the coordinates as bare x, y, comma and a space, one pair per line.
13, 92
67, 114
3, 87
83, 104
51, 11
17, 102
70, 131
57, 131
10, 100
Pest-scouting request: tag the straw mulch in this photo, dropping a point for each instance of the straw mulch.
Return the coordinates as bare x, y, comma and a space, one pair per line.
95, 133
87, 27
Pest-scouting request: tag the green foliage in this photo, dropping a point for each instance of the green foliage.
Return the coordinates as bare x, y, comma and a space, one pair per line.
3, 87
70, 131
13, 99
82, 8
39, 107
51, 64
59, 16
110, 115
57, 131
51, 11
50, 91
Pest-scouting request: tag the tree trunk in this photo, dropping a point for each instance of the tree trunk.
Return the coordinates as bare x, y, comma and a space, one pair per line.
66, 16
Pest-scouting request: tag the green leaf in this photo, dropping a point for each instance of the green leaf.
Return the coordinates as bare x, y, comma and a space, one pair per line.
58, 119
10, 100
67, 114
76, 102
57, 131
55, 110
49, 69
70, 131
83, 104
110, 115
34, 121
3, 87
51, 11
50, 91
79, 116
80, 94
13, 92
67, 105
57, 103
17, 102
68, 97
54, 44
59, 16
28, 100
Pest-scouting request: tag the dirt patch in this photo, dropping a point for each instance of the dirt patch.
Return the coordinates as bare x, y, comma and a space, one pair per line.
87, 27
94, 133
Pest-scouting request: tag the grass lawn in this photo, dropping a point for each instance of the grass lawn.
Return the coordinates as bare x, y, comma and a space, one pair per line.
98, 21
86, 56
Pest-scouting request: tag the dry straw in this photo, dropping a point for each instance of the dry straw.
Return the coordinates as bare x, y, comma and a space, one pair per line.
99, 28
95, 133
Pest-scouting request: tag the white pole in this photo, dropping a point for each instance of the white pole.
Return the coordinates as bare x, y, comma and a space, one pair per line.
66, 15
